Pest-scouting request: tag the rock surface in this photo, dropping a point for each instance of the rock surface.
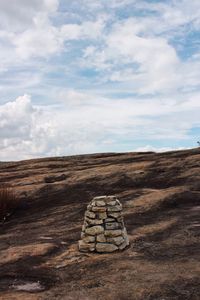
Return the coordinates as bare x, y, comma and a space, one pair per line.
117, 239
160, 194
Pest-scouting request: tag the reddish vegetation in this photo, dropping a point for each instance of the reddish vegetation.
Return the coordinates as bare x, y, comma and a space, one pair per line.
160, 194
8, 202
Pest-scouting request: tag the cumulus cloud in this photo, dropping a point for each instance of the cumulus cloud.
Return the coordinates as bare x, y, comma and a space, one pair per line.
148, 64
16, 118
93, 124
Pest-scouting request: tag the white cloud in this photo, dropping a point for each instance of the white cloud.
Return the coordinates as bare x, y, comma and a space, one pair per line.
153, 63
83, 30
26, 32
40, 38
91, 124
40, 41
16, 118
148, 148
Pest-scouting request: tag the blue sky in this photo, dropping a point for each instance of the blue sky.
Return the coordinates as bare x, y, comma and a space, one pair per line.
91, 76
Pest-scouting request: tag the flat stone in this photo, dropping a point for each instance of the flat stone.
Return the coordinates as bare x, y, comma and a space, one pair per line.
127, 240
113, 225
124, 232
114, 214
89, 239
116, 240
102, 215
112, 203
85, 247
104, 247
99, 208
89, 207
120, 219
100, 198
122, 223
123, 245
94, 221
100, 203
125, 236
83, 228
110, 198
94, 230
101, 238
114, 208
110, 220
28, 287
112, 233
90, 214
82, 235
118, 203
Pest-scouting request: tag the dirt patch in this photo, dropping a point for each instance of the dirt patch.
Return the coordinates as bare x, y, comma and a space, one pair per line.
15, 253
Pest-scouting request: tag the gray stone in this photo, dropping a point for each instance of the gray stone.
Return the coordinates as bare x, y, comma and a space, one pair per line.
90, 214
116, 240
125, 236
102, 215
114, 208
89, 207
113, 225
94, 230
89, 239
99, 198
83, 228
85, 247
114, 214
120, 219
123, 246
94, 221
126, 240
112, 203
109, 220
118, 203
124, 232
99, 208
112, 233
110, 198
104, 247
101, 238
100, 203
82, 234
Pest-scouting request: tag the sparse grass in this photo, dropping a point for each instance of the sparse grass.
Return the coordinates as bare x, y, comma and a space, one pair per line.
8, 201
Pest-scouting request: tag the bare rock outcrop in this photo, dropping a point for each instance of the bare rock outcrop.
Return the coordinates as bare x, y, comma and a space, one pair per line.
103, 229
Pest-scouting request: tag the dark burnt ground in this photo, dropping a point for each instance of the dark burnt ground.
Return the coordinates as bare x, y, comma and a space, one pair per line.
160, 194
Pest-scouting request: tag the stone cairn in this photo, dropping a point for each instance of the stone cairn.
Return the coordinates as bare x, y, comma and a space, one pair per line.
103, 229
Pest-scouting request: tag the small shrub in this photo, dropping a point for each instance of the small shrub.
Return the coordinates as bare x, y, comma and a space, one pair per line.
8, 202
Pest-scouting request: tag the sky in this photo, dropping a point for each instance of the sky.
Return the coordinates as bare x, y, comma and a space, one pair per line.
90, 76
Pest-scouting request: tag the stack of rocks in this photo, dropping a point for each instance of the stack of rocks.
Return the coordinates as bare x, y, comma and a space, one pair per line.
103, 229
